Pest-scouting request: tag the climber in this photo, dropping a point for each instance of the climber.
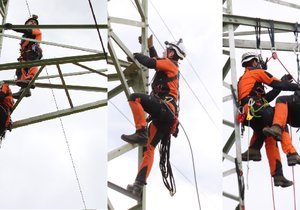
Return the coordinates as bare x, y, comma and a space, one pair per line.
254, 100
161, 105
29, 51
286, 112
6, 104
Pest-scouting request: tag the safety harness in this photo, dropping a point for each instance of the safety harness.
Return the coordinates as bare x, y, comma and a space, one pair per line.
8, 123
161, 89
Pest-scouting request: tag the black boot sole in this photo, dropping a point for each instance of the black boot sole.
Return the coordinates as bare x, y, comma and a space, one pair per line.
268, 132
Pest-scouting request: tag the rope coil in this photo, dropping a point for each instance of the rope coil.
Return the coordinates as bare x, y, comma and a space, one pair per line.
165, 166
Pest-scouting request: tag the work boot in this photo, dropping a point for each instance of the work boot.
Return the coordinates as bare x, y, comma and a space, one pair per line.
274, 131
136, 188
140, 137
281, 181
293, 159
24, 83
251, 154
18, 94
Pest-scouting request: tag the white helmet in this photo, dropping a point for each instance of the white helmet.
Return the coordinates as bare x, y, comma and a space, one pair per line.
178, 47
248, 56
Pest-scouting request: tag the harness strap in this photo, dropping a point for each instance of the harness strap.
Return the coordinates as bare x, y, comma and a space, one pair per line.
271, 34
169, 79
258, 31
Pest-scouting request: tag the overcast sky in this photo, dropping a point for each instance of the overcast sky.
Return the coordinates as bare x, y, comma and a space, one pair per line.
37, 172
258, 194
200, 32
35, 165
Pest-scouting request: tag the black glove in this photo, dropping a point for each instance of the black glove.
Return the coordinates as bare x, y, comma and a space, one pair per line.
287, 77
263, 64
7, 26
149, 40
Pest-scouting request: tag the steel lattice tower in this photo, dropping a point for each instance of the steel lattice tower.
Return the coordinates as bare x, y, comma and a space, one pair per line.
231, 42
130, 75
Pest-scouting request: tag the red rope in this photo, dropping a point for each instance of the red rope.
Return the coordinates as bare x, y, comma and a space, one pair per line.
275, 56
294, 187
273, 196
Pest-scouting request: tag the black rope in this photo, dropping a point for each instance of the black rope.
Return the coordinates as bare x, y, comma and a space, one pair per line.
296, 50
271, 33
257, 28
28, 8
165, 166
98, 30
192, 154
241, 184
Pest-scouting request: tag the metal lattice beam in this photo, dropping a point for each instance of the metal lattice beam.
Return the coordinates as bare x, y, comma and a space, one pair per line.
130, 74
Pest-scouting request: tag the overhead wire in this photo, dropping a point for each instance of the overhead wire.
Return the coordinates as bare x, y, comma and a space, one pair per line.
182, 75
28, 9
189, 62
110, 101
68, 146
98, 30
209, 115
65, 135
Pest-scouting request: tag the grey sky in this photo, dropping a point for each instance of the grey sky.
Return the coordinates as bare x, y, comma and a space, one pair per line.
202, 40
36, 170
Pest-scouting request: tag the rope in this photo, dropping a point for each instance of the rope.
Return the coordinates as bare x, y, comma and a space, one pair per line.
248, 162
28, 8
165, 166
296, 49
294, 188
98, 30
68, 146
275, 56
192, 154
273, 195
193, 162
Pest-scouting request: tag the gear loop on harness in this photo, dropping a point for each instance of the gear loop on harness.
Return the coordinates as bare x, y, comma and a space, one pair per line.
252, 111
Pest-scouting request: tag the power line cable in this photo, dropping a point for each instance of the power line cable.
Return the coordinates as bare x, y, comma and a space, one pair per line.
189, 62
68, 146
28, 9
165, 24
98, 30
121, 112
191, 87
200, 103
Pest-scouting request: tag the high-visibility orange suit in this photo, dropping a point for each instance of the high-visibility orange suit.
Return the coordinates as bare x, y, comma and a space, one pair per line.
6, 104
254, 100
161, 105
